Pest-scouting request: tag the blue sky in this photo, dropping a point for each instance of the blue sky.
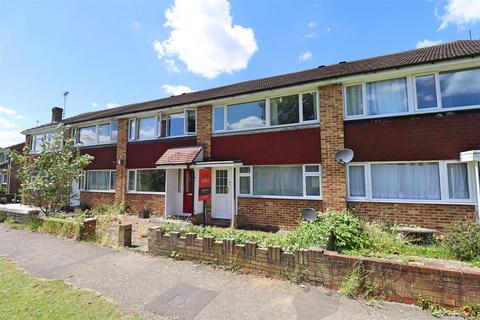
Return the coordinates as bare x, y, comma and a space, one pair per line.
114, 52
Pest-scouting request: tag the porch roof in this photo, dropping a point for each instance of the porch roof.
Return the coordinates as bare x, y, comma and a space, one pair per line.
180, 156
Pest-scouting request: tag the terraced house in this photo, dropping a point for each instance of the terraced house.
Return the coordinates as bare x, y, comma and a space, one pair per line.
411, 118
9, 184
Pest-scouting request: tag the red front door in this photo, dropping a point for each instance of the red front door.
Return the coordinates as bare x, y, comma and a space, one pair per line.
188, 191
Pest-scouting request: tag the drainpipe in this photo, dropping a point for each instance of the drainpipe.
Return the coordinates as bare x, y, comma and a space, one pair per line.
477, 188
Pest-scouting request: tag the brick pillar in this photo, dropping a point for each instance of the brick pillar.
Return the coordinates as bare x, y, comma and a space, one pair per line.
204, 130
121, 174
332, 140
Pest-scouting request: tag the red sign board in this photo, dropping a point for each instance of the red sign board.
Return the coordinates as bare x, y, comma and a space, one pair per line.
205, 184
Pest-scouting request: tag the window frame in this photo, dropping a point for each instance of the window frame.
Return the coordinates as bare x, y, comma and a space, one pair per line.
76, 134
412, 105
135, 182
304, 178
444, 196
268, 124
44, 135
83, 183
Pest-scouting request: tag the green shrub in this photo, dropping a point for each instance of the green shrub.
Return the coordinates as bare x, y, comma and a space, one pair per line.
69, 228
463, 240
33, 223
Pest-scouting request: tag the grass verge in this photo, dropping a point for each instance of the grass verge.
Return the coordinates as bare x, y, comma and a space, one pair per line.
25, 297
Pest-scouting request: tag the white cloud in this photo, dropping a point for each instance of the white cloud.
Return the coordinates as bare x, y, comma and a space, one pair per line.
175, 89
311, 34
10, 112
137, 25
328, 29
204, 37
427, 43
4, 123
9, 138
312, 24
246, 123
461, 13
304, 56
172, 66
111, 105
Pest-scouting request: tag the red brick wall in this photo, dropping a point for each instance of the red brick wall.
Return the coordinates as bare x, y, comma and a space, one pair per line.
103, 157
423, 137
204, 130
273, 213
332, 141
93, 199
137, 201
144, 154
278, 147
436, 216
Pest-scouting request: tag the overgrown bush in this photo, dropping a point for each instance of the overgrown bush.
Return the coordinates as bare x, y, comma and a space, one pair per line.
463, 240
69, 228
347, 231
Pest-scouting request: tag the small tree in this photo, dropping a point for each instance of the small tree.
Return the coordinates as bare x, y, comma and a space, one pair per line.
47, 177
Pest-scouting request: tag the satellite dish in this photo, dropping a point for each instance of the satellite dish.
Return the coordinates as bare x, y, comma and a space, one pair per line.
344, 156
309, 214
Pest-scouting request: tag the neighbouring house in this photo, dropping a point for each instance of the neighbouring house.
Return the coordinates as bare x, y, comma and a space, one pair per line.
8, 178
411, 118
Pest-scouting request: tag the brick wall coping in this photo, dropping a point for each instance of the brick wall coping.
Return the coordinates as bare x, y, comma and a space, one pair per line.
391, 280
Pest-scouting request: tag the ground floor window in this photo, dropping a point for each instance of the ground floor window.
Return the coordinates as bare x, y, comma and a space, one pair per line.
280, 181
146, 180
98, 180
433, 181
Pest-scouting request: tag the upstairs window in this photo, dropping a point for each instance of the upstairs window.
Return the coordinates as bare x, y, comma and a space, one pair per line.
377, 98
277, 111
98, 134
38, 141
414, 94
460, 88
163, 125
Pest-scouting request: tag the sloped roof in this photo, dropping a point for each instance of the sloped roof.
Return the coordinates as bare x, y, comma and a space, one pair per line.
443, 52
178, 156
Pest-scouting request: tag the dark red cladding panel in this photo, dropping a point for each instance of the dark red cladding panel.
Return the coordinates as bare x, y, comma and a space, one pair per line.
424, 137
144, 154
103, 157
278, 147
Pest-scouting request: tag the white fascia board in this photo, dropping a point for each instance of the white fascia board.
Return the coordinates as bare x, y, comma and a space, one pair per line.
471, 155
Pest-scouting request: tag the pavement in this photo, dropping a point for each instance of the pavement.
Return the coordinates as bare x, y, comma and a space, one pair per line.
163, 288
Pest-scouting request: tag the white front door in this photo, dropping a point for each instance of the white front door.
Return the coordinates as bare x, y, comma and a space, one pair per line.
75, 195
222, 193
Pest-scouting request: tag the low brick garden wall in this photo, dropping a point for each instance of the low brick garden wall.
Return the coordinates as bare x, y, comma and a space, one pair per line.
394, 281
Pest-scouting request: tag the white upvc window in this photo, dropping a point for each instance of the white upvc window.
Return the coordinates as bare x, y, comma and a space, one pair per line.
98, 180
282, 181
163, 125
146, 181
415, 182
275, 111
101, 133
39, 140
416, 93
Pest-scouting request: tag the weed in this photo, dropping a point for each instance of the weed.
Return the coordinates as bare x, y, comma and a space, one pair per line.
352, 283
435, 309
177, 255
297, 276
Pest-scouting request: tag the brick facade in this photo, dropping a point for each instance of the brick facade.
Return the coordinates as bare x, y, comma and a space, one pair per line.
272, 213
93, 199
436, 216
204, 130
332, 141
121, 161
138, 201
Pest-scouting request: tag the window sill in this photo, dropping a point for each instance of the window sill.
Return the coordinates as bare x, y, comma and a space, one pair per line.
280, 197
305, 125
146, 192
98, 191
416, 112
162, 138
450, 202
98, 145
